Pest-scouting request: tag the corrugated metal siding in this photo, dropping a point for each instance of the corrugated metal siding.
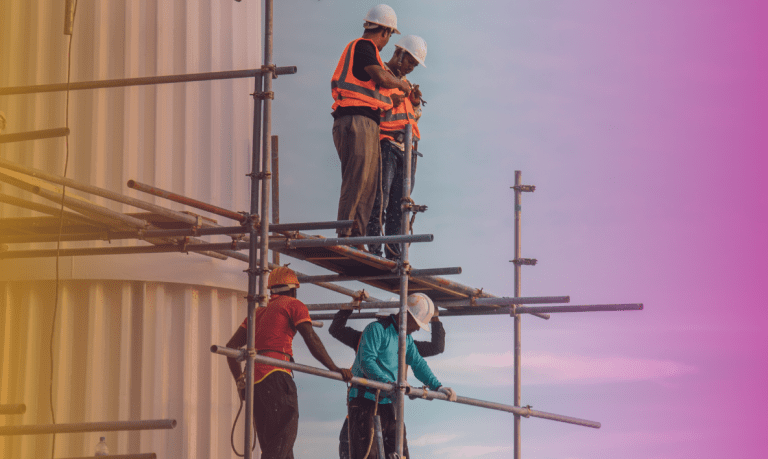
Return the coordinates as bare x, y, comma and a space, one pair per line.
132, 333
122, 350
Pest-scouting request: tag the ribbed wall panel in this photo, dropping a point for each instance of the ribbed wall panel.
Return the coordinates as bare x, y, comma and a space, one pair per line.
132, 332
122, 350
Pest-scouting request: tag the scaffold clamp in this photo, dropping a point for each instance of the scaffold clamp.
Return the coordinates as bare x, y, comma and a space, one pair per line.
270, 68
524, 261
524, 188
264, 95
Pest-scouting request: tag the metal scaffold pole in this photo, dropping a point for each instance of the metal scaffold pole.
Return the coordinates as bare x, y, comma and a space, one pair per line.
518, 261
404, 273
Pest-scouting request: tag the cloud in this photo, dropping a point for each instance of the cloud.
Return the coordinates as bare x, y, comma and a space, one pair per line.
432, 439
457, 452
548, 368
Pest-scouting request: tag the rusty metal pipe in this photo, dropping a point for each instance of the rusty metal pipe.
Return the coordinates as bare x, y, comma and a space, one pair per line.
142, 81
155, 191
340, 278
114, 426
34, 135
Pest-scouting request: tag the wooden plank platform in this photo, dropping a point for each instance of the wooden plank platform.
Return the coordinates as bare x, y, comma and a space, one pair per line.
349, 261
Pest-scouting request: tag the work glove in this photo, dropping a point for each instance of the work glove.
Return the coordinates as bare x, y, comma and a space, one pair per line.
450, 393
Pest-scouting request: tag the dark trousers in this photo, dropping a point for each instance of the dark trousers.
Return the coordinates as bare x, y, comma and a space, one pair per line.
386, 207
356, 138
276, 415
362, 433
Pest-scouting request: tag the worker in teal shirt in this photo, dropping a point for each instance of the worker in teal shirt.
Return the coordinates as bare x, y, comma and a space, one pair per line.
376, 359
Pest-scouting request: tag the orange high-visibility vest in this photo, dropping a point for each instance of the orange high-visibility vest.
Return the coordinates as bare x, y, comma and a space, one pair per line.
394, 121
348, 91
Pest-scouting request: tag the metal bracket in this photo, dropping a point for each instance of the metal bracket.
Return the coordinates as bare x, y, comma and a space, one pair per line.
245, 353
418, 208
259, 175
264, 95
524, 261
524, 188
271, 68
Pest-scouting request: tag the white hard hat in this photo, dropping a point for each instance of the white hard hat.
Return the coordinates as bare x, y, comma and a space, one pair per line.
386, 312
421, 308
416, 47
382, 15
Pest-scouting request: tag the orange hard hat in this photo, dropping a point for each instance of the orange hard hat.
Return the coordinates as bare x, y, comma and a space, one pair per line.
282, 276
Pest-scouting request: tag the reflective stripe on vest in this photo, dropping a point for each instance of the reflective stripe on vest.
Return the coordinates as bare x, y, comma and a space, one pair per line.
394, 121
348, 91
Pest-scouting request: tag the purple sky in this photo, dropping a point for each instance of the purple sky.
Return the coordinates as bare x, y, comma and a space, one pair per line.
643, 127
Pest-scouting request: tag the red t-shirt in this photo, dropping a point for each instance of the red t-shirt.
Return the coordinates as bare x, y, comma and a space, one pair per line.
275, 328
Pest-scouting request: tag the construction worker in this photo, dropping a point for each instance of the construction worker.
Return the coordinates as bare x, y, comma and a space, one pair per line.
361, 87
351, 338
275, 403
410, 51
377, 360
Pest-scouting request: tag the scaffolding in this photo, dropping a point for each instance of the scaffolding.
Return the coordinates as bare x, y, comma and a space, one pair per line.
166, 230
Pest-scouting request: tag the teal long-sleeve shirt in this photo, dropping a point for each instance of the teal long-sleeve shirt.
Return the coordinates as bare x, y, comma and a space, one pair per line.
376, 358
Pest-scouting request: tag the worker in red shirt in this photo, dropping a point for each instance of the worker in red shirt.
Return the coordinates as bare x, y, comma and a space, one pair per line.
275, 402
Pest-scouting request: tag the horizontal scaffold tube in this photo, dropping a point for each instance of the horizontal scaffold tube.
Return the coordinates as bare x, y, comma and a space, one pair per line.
34, 135
155, 191
13, 409
448, 304
163, 233
204, 247
114, 426
414, 273
412, 391
142, 81
490, 311
120, 456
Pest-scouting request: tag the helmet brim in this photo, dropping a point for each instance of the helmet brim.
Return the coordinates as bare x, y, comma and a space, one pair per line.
378, 24
420, 323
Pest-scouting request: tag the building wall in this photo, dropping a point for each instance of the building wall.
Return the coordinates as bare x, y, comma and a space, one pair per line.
132, 333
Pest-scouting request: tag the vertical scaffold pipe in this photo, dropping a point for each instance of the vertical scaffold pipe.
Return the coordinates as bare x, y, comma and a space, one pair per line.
518, 328
405, 205
266, 155
252, 266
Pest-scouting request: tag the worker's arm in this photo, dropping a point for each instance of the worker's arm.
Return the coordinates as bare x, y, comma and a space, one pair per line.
236, 342
318, 351
420, 368
385, 79
437, 344
341, 332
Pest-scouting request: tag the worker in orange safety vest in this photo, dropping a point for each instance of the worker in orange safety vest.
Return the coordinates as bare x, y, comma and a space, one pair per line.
410, 51
361, 87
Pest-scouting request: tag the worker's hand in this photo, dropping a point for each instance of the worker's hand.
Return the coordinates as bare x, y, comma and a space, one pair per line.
405, 86
415, 96
240, 383
346, 374
449, 392
397, 99
436, 315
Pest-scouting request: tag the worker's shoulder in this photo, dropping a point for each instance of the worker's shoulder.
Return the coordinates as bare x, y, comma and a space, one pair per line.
283, 301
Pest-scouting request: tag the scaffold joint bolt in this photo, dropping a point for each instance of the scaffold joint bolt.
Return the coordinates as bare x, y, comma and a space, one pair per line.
524, 261
270, 68
264, 95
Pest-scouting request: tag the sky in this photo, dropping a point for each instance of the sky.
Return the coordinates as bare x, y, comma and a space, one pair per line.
643, 127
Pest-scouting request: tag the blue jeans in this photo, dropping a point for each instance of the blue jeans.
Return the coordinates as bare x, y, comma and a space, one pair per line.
386, 207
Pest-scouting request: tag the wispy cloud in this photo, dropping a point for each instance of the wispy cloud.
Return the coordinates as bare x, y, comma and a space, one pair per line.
432, 439
548, 368
457, 452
